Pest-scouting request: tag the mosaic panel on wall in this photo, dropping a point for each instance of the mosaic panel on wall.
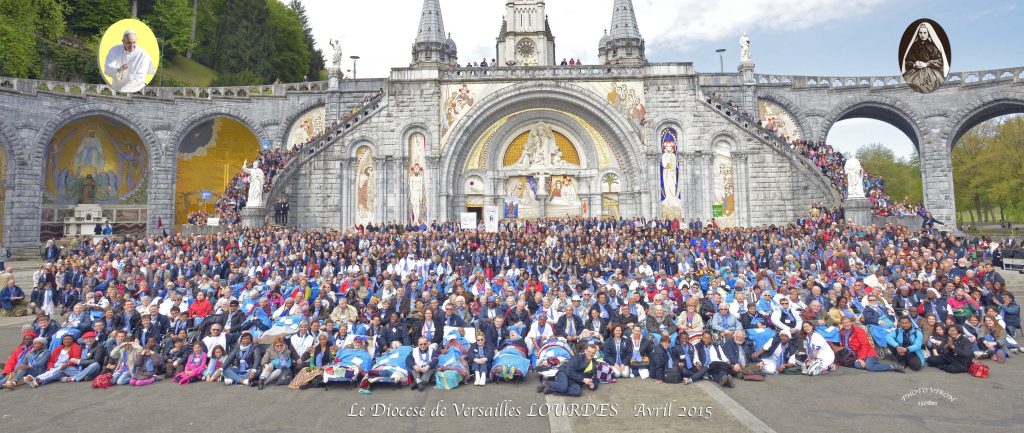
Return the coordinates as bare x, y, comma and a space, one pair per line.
100, 157
777, 119
723, 206
306, 127
3, 190
366, 187
209, 156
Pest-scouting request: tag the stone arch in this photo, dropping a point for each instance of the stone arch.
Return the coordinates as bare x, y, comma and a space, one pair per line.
979, 110
794, 110
883, 108
198, 117
723, 136
353, 145
676, 125
289, 122
621, 136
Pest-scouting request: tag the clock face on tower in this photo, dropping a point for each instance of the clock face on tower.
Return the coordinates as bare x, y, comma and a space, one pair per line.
525, 48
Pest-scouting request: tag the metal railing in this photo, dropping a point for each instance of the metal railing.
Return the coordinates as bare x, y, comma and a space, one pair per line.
32, 86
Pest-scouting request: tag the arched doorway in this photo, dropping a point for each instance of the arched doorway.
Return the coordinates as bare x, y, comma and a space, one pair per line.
97, 160
209, 156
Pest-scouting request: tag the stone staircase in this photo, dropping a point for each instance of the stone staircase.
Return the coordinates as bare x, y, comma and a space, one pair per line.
1014, 282
822, 182
311, 150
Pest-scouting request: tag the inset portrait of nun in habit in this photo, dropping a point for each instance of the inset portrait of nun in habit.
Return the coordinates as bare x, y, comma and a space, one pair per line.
924, 56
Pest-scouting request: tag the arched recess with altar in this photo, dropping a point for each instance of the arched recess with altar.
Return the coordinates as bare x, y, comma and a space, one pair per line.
538, 152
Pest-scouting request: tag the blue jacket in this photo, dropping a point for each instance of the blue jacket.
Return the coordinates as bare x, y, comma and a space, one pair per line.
896, 339
1011, 314
732, 351
7, 293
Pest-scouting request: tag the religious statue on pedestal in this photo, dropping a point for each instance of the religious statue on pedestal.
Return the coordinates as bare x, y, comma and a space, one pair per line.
256, 181
854, 179
88, 190
744, 48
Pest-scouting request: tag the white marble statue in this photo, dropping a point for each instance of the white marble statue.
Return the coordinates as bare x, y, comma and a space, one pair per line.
854, 179
336, 60
256, 181
744, 48
417, 196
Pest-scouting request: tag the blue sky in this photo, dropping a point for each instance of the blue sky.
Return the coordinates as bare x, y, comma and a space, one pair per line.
799, 37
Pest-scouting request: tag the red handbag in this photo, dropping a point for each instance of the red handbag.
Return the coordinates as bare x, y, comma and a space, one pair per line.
978, 370
103, 381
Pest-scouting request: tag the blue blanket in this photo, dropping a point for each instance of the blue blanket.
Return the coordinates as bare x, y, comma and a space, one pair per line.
509, 363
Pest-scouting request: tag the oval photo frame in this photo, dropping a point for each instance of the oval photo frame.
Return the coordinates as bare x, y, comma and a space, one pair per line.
924, 56
128, 67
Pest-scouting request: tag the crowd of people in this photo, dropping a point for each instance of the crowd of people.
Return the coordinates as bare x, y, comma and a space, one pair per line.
230, 204
833, 165
630, 298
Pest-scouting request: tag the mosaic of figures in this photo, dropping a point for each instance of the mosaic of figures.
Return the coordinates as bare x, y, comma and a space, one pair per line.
418, 203
96, 159
778, 120
308, 126
671, 204
723, 207
366, 188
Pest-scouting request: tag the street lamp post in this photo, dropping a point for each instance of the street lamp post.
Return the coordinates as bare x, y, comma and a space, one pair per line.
354, 59
721, 61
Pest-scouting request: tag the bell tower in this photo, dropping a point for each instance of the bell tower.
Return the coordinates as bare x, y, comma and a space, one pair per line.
525, 38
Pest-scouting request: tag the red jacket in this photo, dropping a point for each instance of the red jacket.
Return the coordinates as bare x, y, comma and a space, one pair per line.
12, 361
75, 353
857, 341
200, 308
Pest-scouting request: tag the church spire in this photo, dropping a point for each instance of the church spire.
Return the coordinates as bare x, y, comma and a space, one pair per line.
432, 48
623, 43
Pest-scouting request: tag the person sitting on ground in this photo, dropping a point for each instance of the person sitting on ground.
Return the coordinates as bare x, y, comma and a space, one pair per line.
855, 339
194, 366
123, 359
421, 364
724, 323
820, 358
94, 354
740, 353
61, 365
778, 354
31, 361
711, 357
906, 343
277, 364
956, 355
214, 370
242, 362
148, 365
12, 300
992, 340
578, 372
479, 357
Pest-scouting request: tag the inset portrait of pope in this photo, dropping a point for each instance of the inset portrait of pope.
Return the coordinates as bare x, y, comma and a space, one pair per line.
128, 55
924, 56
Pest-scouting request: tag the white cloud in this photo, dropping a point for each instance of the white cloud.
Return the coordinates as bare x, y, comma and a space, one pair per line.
382, 32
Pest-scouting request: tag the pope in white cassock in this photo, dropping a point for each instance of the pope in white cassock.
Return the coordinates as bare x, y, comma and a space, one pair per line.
128, 64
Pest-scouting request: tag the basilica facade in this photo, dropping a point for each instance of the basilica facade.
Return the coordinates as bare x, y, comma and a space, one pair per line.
620, 137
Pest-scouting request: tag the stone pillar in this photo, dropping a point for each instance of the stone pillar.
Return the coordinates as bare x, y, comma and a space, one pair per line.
161, 196
937, 180
23, 205
742, 183
343, 195
434, 188
379, 216
746, 70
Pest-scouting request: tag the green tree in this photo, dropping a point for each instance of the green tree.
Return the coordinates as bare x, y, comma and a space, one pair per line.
18, 57
316, 56
289, 57
50, 22
90, 17
243, 41
172, 21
